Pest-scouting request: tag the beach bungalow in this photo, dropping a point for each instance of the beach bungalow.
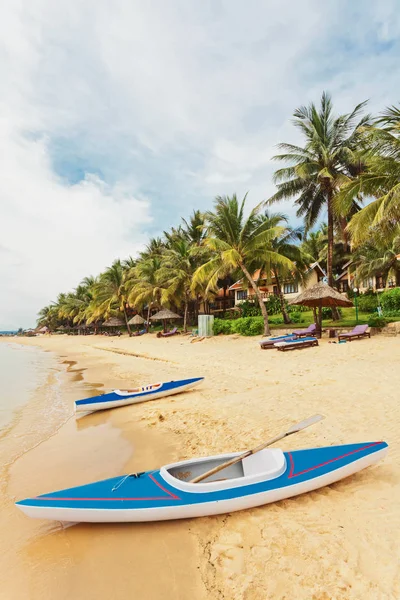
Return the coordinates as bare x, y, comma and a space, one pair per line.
377, 283
268, 286
223, 300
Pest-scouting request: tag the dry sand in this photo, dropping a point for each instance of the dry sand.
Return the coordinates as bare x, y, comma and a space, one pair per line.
341, 542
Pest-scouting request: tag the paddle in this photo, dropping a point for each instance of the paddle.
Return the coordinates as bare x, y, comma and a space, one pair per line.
233, 461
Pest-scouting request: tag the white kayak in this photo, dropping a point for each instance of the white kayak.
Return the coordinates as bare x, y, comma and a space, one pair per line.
167, 493
140, 394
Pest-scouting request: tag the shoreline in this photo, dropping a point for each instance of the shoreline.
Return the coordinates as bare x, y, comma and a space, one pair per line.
121, 444
267, 552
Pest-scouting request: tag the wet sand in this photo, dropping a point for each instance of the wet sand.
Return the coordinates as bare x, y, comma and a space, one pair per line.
339, 542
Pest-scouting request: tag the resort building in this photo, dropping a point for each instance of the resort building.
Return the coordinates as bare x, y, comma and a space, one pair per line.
377, 283
268, 285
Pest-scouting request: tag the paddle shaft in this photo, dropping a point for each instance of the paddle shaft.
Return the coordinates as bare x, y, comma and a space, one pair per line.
271, 441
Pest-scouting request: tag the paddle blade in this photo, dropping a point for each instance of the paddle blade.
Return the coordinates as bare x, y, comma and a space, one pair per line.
305, 423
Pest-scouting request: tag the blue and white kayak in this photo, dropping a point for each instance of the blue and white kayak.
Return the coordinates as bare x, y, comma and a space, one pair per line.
140, 394
267, 476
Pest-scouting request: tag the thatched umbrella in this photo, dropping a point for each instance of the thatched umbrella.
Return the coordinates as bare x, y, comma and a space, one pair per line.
136, 320
113, 322
318, 296
44, 329
165, 315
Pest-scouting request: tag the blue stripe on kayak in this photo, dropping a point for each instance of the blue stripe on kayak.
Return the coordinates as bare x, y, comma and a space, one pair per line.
150, 490
112, 396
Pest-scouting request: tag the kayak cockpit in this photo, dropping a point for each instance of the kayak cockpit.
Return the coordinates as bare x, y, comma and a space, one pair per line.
140, 390
262, 466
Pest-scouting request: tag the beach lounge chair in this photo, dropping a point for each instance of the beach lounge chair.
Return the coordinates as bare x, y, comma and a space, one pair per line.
173, 331
359, 331
269, 342
311, 330
296, 343
141, 332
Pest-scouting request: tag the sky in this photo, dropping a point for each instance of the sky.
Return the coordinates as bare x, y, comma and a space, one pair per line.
119, 118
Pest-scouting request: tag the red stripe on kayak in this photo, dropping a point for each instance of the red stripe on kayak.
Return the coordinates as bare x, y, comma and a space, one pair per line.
292, 474
170, 495
102, 499
173, 496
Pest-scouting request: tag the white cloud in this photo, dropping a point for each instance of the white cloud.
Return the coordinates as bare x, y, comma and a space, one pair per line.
112, 112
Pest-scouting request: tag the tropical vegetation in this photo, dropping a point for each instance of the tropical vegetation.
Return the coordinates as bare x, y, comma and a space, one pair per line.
342, 175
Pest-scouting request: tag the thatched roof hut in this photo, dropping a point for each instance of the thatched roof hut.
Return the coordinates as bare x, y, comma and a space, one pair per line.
321, 294
318, 296
136, 320
165, 315
113, 322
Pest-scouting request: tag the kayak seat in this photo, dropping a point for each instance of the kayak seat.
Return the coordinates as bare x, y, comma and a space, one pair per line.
272, 462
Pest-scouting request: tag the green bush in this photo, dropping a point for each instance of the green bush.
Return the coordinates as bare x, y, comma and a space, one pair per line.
367, 302
327, 312
248, 326
273, 305
390, 300
250, 309
276, 320
392, 313
376, 321
222, 326
296, 317
297, 308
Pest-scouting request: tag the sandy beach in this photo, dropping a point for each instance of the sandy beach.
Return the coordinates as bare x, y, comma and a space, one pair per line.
340, 542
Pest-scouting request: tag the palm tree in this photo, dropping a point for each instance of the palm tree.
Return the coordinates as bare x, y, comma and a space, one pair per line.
237, 242
318, 169
195, 229
381, 180
284, 245
178, 265
48, 316
109, 293
142, 284
378, 256
77, 305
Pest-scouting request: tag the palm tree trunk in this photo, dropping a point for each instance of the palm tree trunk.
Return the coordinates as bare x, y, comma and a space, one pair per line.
285, 315
148, 317
257, 292
329, 266
185, 317
126, 321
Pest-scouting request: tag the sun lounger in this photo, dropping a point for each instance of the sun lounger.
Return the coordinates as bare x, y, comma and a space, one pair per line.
173, 331
141, 332
358, 332
296, 343
269, 342
311, 330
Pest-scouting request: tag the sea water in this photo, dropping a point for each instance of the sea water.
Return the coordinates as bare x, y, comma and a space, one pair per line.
22, 370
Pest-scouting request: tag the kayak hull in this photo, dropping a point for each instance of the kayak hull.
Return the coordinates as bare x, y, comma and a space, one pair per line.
151, 497
151, 392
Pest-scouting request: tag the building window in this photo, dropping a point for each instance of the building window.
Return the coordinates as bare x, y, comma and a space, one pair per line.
241, 295
275, 290
290, 288
344, 286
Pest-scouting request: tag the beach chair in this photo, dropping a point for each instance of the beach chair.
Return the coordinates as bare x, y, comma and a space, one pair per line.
173, 331
296, 343
141, 332
268, 343
359, 331
311, 330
